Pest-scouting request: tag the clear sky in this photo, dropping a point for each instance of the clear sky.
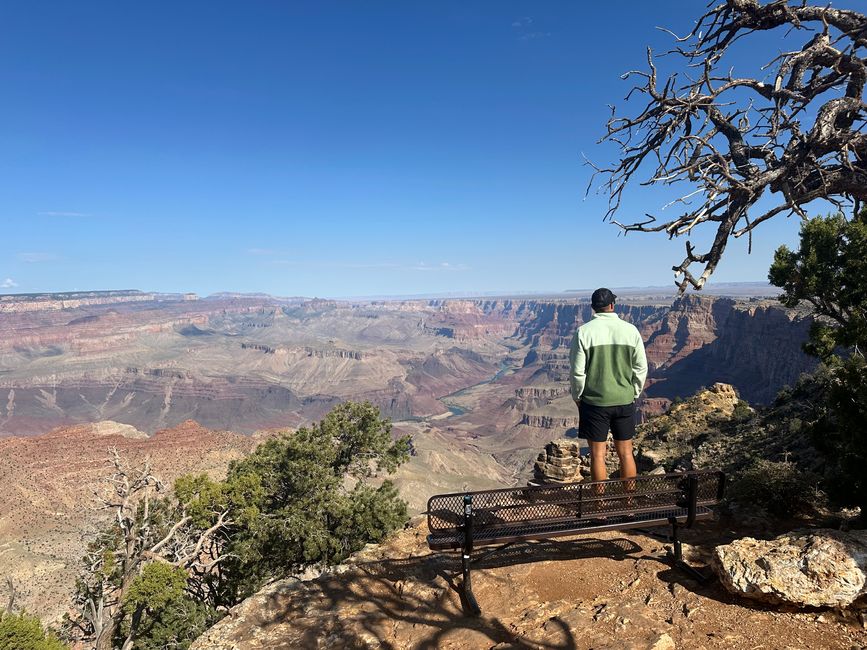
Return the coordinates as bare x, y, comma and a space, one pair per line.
324, 148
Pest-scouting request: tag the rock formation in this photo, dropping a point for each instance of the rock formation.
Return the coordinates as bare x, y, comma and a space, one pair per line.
689, 434
542, 421
560, 462
814, 568
718, 401
11, 303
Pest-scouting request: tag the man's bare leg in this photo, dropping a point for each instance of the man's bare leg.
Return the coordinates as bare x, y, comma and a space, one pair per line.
627, 459
598, 472
627, 465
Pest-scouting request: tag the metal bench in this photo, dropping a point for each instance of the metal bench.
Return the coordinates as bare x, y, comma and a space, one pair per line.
463, 521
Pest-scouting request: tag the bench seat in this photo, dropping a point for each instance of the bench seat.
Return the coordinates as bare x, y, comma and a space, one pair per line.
463, 520
454, 540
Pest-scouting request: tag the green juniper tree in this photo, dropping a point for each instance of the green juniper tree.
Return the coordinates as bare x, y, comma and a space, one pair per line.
306, 498
159, 612
22, 632
829, 271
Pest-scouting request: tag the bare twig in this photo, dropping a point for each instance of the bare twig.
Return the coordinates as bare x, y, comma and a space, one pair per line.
733, 151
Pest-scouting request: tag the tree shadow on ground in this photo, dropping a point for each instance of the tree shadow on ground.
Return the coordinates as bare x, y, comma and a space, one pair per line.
421, 596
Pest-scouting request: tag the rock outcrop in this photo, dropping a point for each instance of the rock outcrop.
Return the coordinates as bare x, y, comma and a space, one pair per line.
606, 591
11, 303
717, 402
561, 462
542, 421
689, 432
814, 568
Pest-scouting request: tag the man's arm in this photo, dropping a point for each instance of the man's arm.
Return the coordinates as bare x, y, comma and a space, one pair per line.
639, 365
577, 370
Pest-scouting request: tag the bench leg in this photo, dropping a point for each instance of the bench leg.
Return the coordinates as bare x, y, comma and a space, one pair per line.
469, 598
676, 555
472, 605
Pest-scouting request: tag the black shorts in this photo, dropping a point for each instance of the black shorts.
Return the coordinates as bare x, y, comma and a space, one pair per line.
595, 421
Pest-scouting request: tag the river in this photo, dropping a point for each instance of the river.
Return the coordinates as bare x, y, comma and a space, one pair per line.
456, 409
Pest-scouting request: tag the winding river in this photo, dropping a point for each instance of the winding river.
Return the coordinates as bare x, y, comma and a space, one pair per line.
455, 409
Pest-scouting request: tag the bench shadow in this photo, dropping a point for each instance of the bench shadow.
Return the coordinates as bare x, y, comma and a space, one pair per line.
372, 599
551, 549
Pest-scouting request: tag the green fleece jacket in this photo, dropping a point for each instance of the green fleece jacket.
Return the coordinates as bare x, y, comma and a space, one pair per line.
607, 362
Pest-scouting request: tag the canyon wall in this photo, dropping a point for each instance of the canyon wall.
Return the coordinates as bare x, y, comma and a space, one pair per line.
245, 363
696, 341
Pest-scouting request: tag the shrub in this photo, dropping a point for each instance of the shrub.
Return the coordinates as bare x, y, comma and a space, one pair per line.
841, 433
23, 632
311, 490
742, 412
779, 487
165, 616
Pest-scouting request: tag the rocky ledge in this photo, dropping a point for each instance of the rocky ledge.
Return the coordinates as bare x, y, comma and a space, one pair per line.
542, 421
605, 591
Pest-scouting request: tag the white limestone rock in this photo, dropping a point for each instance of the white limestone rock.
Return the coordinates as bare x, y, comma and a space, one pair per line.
815, 568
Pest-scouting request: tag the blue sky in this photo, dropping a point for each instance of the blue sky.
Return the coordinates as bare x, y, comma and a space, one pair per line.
324, 148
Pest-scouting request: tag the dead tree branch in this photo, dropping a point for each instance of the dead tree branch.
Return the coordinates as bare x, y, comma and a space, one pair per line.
734, 140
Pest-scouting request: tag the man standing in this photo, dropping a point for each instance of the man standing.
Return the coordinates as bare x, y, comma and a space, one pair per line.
608, 369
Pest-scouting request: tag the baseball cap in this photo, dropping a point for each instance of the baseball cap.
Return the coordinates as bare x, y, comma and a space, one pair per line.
602, 298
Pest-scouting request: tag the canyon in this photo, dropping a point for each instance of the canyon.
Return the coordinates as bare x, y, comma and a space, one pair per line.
474, 381
192, 383
245, 363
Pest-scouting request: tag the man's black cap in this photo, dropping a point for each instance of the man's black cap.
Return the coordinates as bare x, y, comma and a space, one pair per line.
602, 298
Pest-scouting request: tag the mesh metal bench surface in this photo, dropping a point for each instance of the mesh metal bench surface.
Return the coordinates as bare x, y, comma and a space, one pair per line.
462, 521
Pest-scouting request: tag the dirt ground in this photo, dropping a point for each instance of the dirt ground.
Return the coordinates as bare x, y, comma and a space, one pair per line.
605, 591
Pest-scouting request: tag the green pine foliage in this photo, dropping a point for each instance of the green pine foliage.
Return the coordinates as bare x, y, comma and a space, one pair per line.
829, 271
23, 632
305, 499
840, 428
162, 614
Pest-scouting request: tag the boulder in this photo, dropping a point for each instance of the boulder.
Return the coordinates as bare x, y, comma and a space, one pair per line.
814, 568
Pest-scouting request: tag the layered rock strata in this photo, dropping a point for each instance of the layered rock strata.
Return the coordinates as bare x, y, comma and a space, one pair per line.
560, 462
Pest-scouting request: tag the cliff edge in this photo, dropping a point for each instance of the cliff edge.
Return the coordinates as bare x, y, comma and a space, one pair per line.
608, 590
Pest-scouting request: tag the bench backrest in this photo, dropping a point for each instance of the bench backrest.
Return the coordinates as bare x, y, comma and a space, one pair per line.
550, 503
